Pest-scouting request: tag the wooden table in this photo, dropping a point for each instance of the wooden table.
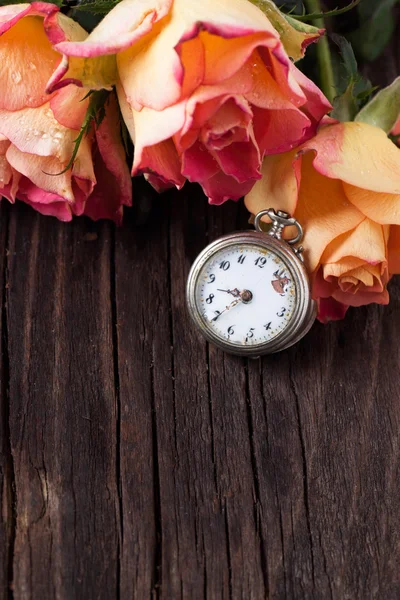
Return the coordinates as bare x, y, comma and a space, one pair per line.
137, 462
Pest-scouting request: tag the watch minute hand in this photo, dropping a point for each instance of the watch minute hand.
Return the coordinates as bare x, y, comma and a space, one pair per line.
231, 305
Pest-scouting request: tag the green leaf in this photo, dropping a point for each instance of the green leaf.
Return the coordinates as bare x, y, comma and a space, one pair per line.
355, 89
94, 115
349, 61
97, 7
330, 13
374, 34
384, 109
345, 106
295, 36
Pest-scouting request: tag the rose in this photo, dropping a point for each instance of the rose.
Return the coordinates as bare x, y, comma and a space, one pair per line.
206, 89
37, 131
344, 188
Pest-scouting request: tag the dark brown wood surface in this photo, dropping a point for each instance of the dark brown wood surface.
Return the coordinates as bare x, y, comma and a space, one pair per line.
139, 463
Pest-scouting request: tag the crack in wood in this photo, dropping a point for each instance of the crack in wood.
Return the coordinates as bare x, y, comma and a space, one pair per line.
118, 476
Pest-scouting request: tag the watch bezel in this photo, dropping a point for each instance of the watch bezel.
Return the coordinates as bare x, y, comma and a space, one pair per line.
303, 314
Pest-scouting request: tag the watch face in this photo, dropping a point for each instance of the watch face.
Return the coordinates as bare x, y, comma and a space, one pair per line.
245, 294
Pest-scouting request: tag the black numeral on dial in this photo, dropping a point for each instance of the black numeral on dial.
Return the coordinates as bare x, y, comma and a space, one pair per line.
231, 331
281, 313
225, 265
212, 278
268, 326
250, 334
210, 299
241, 259
260, 262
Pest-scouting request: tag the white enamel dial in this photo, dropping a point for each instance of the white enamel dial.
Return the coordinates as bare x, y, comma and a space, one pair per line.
245, 294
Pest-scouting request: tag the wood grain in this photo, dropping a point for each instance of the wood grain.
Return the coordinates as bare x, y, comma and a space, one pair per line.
62, 409
140, 463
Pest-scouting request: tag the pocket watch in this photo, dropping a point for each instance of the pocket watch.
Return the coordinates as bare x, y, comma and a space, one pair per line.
248, 292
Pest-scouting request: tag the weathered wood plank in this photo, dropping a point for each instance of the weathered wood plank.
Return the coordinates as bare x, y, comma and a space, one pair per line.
144, 367
275, 478
6, 465
62, 408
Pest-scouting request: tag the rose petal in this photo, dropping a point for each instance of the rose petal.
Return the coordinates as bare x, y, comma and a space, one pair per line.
26, 56
322, 221
362, 298
36, 131
278, 187
366, 242
35, 168
221, 187
358, 154
113, 157
124, 25
127, 23
383, 208
161, 160
330, 309
198, 164
69, 107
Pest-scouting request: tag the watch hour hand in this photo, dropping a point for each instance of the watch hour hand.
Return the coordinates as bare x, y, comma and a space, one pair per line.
235, 292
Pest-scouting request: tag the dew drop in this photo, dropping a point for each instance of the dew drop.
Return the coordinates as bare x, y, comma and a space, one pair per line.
16, 77
32, 66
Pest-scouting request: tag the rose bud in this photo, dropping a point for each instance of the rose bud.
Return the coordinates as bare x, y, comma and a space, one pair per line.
38, 131
343, 186
206, 90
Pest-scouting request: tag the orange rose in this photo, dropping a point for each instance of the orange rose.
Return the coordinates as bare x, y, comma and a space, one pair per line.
344, 188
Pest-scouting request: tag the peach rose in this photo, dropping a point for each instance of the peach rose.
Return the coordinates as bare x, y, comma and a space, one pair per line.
37, 131
206, 89
344, 188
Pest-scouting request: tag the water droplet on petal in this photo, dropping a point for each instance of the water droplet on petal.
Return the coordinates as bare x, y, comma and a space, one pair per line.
32, 66
16, 76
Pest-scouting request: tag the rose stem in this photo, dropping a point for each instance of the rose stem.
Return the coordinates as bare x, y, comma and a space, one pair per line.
327, 78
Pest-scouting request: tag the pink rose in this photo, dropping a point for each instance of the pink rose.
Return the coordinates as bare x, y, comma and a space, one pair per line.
206, 90
344, 188
37, 131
